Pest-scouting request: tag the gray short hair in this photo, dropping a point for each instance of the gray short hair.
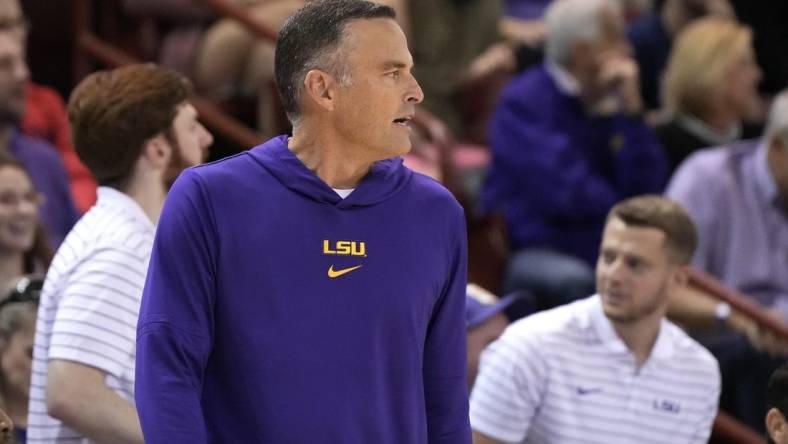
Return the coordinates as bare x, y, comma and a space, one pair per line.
572, 21
312, 38
777, 124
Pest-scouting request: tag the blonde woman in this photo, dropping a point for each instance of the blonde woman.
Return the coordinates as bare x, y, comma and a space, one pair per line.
710, 88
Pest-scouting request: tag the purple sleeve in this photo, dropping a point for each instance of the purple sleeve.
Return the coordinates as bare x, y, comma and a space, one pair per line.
691, 188
175, 329
445, 368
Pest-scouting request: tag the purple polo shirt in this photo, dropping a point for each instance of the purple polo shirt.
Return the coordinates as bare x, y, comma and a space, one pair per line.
742, 226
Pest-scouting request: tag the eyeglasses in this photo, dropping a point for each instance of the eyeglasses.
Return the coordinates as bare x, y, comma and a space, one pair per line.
27, 289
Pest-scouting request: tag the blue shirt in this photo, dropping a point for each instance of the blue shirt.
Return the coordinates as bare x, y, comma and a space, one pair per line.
277, 312
527, 9
742, 224
557, 171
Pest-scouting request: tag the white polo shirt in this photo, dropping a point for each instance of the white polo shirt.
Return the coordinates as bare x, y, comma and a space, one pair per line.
564, 376
90, 305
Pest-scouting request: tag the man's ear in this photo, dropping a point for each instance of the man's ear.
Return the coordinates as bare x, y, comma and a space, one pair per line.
775, 425
157, 151
320, 88
681, 276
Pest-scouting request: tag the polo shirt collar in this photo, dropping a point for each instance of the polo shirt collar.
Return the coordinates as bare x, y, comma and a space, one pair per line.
764, 181
603, 328
114, 198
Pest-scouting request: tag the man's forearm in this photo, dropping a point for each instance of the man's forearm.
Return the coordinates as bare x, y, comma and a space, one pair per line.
77, 395
111, 421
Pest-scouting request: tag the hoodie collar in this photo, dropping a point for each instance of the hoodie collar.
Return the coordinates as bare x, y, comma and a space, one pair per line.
384, 179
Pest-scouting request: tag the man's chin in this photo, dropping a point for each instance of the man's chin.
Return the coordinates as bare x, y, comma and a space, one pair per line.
402, 149
617, 315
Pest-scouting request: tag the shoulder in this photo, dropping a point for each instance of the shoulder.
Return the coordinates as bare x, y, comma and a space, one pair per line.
41, 93
430, 193
713, 167
529, 90
235, 168
110, 231
35, 149
690, 356
546, 327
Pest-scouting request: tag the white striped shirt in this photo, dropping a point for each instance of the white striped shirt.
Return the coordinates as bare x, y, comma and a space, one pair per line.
90, 304
564, 376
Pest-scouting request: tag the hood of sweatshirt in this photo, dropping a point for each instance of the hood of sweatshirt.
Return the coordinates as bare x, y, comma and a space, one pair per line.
383, 181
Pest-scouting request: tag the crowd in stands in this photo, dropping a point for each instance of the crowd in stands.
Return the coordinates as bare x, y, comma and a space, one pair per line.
603, 102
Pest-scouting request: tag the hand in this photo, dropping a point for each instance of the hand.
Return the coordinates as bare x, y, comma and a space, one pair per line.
760, 338
527, 32
619, 80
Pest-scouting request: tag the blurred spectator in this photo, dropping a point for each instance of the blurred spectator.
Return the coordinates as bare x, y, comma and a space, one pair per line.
23, 247
768, 21
183, 24
224, 58
486, 320
524, 19
568, 143
45, 115
738, 197
454, 44
23, 251
45, 118
6, 428
777, 406
17, 329
710, 88
609, 368
233, 61
135, 129
39, 158
652, 37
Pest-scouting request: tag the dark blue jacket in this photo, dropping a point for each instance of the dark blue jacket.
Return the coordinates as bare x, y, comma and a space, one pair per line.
557, 171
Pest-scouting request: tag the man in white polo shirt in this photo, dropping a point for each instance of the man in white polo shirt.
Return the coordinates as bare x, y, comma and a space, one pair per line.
609, 368
134, 128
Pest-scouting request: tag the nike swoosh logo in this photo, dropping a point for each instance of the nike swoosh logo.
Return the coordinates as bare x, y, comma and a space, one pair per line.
337, 273
587, 391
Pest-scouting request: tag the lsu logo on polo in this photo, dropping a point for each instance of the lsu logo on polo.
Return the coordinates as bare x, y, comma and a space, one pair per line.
345, 248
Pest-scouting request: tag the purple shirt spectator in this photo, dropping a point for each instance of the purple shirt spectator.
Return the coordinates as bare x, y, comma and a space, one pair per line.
526, 9
743, 231
49, 178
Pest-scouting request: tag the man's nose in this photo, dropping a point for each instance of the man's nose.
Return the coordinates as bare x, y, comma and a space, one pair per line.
415, 93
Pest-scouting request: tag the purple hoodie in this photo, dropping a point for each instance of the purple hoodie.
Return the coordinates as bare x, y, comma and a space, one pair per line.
277, 312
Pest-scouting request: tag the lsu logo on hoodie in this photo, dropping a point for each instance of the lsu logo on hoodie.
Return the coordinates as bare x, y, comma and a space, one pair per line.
345, 248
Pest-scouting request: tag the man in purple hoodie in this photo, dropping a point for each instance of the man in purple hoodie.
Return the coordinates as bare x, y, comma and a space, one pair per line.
312, 289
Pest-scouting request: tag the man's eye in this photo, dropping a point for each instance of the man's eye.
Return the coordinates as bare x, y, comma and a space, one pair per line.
393, 74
